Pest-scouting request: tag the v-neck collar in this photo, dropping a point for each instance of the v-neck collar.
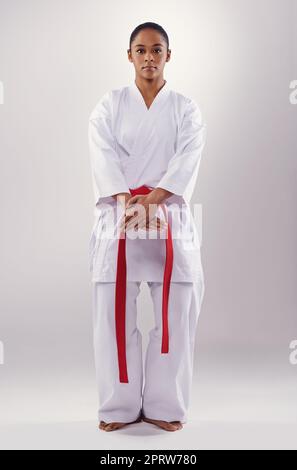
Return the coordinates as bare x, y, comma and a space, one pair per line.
164, 90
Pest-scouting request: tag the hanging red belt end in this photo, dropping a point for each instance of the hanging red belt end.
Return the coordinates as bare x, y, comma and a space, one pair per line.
120, 310
166, 289
120, 295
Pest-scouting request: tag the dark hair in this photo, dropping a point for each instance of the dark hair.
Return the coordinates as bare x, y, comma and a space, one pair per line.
150, 25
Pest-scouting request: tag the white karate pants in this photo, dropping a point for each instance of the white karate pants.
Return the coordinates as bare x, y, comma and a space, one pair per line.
167, 377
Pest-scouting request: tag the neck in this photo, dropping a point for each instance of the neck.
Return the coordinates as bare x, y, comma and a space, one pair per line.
150, 87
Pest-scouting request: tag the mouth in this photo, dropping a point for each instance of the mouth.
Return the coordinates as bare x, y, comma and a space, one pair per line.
150, 67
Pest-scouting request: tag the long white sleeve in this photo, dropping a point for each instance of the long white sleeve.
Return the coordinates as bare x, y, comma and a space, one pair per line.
108, 177
183, 166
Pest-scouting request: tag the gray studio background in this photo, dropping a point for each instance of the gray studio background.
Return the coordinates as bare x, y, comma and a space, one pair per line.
236, 58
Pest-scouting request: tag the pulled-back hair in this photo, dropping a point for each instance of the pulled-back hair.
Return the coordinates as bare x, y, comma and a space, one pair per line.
150, 25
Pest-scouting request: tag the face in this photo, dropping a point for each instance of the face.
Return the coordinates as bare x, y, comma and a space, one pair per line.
149, 54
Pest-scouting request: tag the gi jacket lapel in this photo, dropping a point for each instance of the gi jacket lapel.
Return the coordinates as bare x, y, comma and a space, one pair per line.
147, 125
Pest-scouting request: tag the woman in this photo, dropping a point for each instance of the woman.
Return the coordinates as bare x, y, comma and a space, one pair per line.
145, 146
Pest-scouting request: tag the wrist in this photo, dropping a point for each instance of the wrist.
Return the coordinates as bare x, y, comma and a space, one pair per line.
123, 198
158, 195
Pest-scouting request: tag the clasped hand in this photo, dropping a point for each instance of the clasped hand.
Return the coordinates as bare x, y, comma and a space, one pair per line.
140, 212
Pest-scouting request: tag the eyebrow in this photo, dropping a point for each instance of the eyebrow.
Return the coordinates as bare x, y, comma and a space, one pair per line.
137, 45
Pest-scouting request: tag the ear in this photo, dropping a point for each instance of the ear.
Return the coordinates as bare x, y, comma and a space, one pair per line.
168, 55
129, 55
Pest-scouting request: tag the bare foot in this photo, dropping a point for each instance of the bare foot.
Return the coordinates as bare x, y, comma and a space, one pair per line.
115, 425
168, 426
111, 426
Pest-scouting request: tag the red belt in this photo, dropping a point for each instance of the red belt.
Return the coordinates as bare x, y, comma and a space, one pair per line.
120, 294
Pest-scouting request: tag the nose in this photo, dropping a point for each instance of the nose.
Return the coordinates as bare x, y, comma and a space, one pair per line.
149, 56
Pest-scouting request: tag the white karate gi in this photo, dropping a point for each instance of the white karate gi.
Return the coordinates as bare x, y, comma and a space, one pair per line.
130, 146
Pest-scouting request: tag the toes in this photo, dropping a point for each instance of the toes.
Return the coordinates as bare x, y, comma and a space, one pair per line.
102, 425
177, 424
109, 427
114, 426
171, 427
168, 426
177, 427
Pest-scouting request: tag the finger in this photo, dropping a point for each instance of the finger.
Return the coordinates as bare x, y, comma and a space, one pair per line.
128, 218
130, 211
161, 223
150, 228
153, 224
155, 221
133, 222
164, 223
124, 220
122, 224
132, 225
122, 228
133, 200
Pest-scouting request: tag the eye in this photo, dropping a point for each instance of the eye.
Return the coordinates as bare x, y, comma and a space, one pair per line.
158, 50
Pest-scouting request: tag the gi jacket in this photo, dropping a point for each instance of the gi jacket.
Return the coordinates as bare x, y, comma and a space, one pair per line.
130, 146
